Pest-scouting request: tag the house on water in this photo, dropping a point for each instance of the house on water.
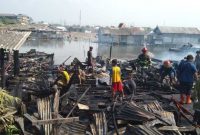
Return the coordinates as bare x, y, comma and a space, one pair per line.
124, 35
163, 35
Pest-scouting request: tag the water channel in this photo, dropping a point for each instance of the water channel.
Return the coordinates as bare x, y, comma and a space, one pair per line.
63, 49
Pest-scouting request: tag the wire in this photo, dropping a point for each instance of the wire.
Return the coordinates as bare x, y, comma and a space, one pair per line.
114, 120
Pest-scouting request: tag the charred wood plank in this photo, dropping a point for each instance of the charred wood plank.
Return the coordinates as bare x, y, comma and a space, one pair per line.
78, 102
56, 121
35, 121
32, 119
181, 129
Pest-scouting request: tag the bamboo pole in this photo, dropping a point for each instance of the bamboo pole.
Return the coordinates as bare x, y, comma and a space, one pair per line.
44, 115
56, 108
39, 105
50, 116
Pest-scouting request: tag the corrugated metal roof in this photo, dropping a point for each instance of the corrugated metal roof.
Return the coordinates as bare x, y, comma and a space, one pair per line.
32, 27
12, 40
139, 31
120, 31
178, 30
124, 31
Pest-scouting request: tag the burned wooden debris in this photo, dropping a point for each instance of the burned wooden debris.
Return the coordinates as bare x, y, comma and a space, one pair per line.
86, 105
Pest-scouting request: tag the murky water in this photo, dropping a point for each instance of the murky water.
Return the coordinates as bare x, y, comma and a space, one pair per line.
61, 49
64, 49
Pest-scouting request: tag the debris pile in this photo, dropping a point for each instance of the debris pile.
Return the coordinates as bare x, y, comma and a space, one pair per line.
86, 105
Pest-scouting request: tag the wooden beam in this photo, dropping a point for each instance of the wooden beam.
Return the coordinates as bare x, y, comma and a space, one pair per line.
78, 101
174, 128
20, 121
56, 121
32, 119
16, 62
51, 121
2, 63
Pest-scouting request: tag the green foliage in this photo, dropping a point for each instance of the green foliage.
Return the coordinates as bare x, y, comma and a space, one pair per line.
12, 129
7, 100
8, 108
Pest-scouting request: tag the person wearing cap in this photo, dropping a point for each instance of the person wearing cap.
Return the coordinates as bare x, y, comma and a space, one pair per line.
144, 59
116, 79
167, 70
187, 75
90, 58
197, 60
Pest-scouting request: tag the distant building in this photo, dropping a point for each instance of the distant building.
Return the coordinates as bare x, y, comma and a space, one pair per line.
8, 18
163, 35
13, 18
24, 19
75, 28
133, 35
83, 29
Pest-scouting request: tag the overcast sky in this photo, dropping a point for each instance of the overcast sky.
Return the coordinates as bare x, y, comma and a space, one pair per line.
109, 12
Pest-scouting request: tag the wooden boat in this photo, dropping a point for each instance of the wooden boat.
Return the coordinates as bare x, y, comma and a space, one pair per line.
185, 48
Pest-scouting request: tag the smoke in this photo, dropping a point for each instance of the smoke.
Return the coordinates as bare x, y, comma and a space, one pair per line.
177, 56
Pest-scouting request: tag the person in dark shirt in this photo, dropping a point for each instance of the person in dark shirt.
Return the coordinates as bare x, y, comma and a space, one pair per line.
167, 70
187, 72
179, 65
90, 58
144, 59
197, 60
130, 85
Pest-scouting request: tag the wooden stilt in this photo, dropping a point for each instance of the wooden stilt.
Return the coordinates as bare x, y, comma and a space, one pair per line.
16, 62
2, 54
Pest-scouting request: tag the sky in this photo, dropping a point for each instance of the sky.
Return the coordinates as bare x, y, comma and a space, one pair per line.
148, 13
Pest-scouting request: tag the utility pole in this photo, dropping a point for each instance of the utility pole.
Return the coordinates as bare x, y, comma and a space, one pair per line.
80, 19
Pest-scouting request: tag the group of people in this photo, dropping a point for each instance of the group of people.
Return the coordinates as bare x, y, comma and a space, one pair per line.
117, 85
184, 75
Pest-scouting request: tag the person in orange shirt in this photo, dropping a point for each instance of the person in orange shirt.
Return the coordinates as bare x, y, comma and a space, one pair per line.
116, 79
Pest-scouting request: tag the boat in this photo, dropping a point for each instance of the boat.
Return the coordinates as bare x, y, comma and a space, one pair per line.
185, 48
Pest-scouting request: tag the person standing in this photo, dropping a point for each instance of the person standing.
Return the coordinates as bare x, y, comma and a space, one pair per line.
116, 79
90, 57
197, 60
187, 75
